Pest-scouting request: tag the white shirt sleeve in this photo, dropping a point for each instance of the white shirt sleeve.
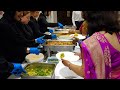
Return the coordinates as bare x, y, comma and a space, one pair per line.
73, 20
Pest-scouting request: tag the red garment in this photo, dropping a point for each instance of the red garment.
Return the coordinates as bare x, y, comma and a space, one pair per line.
81, 27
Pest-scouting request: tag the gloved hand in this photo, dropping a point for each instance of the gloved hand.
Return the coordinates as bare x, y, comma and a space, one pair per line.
53, 36
18, 70
51, 31
34, 50
40, 40
60, 25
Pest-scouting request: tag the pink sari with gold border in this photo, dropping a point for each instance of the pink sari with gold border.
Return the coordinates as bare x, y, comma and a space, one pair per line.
97, 57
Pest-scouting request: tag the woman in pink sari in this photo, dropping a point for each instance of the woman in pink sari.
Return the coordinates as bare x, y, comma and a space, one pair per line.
101, 51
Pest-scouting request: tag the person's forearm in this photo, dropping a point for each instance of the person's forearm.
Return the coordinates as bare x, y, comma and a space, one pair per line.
79, 70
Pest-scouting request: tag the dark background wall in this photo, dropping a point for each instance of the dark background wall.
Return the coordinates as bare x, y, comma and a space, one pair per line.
65, 17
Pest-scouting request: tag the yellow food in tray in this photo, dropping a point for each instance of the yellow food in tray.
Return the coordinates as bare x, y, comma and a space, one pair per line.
62, 55
75, 34
59, 43
39, 69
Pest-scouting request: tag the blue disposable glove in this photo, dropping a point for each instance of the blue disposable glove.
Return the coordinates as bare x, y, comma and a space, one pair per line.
18, 70
40, 40
60, 25
51, 31
53, 36
34, 50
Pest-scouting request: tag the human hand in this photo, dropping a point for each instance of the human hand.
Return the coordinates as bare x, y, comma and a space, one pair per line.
60, 25
40, 40
71, 31
66, 62
18, 69
34, 50
53, 36
51, 30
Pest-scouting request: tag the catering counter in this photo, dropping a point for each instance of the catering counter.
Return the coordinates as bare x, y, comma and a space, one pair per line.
61, 71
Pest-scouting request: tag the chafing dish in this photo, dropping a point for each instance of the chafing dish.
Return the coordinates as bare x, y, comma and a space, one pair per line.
62, 31
40, 66
58, 47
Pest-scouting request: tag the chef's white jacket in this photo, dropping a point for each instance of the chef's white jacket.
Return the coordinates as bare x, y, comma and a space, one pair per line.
76, 16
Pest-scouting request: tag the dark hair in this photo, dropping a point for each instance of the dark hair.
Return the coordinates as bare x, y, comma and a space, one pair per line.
102, 20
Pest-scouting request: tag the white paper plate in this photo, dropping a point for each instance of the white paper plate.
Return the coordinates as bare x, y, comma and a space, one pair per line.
68, 56
63, 72
79, 36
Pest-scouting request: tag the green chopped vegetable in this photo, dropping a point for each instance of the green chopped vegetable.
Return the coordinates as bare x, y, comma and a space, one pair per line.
39, 70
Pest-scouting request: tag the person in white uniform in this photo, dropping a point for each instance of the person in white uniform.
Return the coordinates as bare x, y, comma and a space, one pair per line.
77, 19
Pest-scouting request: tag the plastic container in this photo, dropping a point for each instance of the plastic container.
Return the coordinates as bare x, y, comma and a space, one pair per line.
30, 58
52, 59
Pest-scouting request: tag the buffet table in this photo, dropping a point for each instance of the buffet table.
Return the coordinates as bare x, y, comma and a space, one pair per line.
61, 71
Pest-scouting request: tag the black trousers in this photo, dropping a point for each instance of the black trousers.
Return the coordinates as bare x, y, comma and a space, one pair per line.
78, 24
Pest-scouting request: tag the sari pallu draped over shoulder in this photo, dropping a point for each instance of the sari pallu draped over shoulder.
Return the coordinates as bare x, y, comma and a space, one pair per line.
96, 56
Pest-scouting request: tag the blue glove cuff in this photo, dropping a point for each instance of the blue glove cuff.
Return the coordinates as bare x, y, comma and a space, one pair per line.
51, 31
53, 36
17, 69
34, 50
39, 40
60, 25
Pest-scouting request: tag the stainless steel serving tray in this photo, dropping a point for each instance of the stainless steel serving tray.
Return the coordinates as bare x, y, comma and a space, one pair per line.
24, 76
61, 31
64, 29
59, 47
